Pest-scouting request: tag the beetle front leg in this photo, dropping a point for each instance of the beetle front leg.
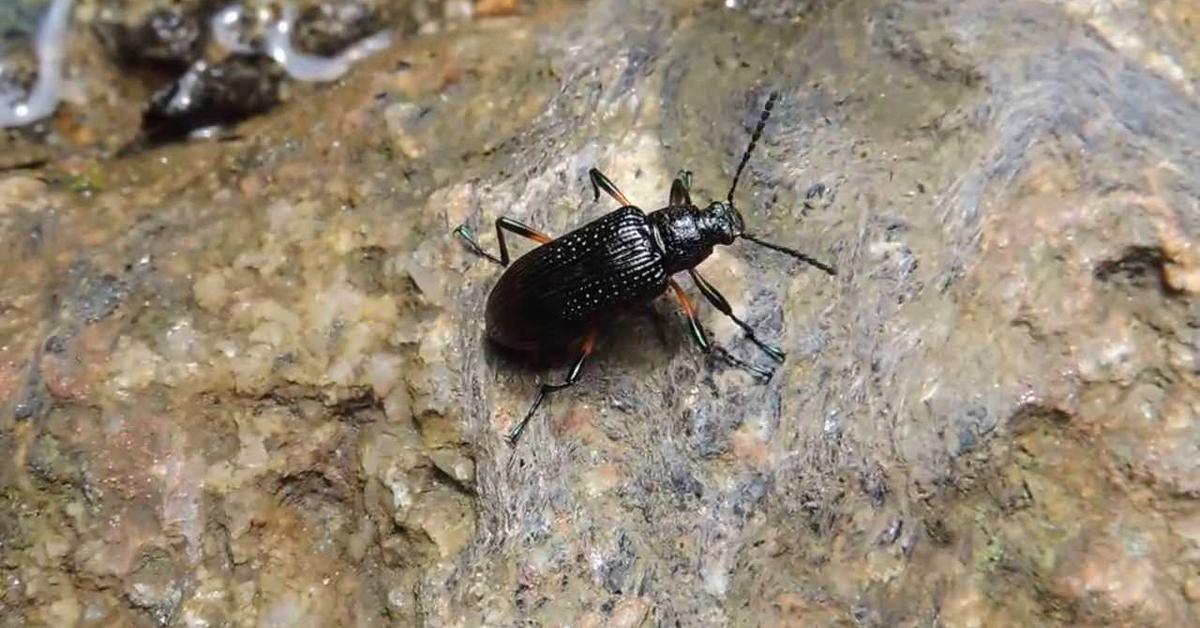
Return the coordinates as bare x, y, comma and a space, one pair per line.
702, 340
679, 190
589, 344
685, 177
601, 182
710, 292
503, 224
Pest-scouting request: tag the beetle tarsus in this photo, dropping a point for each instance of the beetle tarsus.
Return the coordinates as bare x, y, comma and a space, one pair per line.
759, 372
503, 223
515, 433
464, 232
776, 353
680, 188
686, 177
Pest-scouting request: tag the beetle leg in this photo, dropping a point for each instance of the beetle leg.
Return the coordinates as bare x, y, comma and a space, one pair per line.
589, 344
601, 182
468, 239
503, 224
679, 192
702, 340
710, 292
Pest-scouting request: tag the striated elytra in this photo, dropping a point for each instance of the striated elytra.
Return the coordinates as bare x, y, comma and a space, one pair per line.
562, 293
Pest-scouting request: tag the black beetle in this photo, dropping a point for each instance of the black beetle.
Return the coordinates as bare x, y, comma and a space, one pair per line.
560, 294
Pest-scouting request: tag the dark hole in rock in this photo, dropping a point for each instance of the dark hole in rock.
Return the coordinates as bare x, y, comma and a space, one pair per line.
1138, 266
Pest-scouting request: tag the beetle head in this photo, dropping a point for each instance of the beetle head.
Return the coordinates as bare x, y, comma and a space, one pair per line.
722, 222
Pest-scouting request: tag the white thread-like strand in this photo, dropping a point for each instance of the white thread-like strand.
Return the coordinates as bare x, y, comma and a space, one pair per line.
306, 67
50, 49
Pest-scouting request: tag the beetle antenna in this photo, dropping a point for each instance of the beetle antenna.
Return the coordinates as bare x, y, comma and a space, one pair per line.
794, 253
762, 124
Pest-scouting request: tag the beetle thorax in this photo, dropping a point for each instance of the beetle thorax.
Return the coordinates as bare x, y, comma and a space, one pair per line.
687, 234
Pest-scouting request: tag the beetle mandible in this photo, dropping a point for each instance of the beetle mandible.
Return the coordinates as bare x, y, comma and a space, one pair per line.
562, 293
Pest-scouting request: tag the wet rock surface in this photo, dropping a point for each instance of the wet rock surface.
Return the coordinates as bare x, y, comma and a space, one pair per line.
244, 383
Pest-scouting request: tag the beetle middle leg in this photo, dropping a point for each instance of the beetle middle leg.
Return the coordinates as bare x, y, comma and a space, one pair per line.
601, 182
589, 344
503, 224
702, 339
710, 292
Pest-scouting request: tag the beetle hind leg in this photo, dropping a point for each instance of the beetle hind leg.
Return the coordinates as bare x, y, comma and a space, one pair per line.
589, 344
